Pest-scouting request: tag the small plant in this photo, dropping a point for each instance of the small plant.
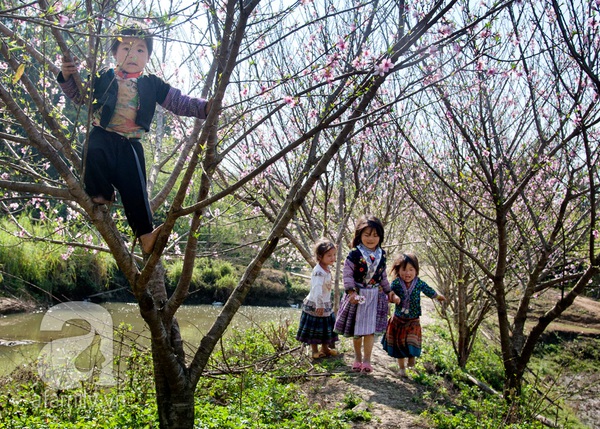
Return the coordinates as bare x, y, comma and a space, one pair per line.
351, 400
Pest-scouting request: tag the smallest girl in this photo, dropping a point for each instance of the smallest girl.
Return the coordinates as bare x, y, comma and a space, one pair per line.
317, 319
403, 338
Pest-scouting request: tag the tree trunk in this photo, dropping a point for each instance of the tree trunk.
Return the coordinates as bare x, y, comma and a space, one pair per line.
175, 408
174, 391
463, 341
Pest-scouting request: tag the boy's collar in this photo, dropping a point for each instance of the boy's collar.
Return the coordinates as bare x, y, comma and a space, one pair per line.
124, 75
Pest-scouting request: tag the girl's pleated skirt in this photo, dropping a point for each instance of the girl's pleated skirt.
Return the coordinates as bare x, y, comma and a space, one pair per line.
370, 317
317, 330
403, 338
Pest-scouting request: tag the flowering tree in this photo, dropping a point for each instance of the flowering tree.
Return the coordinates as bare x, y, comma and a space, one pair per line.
509, 180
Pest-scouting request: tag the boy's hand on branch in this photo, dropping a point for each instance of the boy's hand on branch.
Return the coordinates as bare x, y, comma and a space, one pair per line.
440, 298
68, 67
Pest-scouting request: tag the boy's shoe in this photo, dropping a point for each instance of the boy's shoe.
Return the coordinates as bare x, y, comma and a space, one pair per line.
330, 352
318, 355
402, 373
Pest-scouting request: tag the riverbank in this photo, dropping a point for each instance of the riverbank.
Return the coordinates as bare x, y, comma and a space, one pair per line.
12, 305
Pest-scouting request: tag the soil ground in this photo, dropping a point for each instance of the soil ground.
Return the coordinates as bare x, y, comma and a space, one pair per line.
396, 403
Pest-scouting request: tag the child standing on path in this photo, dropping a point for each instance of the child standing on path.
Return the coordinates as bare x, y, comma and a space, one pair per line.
364, 307
403, 338
317, 319
125, 99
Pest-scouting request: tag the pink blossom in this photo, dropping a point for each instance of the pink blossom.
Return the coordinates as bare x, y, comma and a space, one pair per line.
327, 74
62, 20
68, 253
445, 30
289, 100
384, 67
341, 44
595, 233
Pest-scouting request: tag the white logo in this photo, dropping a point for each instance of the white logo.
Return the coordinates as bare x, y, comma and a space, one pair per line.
60, 362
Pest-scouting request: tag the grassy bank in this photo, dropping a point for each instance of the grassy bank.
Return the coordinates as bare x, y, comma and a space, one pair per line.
262, 378
49, 273
547, 399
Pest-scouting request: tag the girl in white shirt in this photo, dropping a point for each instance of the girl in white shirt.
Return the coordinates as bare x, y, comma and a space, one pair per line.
317, 319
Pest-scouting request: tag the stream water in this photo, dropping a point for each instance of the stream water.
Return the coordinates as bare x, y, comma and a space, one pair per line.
23, 337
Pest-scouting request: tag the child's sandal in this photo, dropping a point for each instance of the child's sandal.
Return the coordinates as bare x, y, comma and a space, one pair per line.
318, 355
357, 366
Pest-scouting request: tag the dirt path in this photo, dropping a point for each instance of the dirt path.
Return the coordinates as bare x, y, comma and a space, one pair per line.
394, 402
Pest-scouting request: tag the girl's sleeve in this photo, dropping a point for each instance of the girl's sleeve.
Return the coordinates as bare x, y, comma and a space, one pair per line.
184, 105
428, 290
316, 285
385, 283
348, 275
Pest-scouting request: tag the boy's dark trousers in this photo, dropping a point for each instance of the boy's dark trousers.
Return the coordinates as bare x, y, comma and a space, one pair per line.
114, 160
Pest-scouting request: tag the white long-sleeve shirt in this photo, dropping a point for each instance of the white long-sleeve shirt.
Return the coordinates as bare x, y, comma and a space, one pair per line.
320, 292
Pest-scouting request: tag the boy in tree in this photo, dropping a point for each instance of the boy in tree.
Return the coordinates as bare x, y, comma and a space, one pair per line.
124, 103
